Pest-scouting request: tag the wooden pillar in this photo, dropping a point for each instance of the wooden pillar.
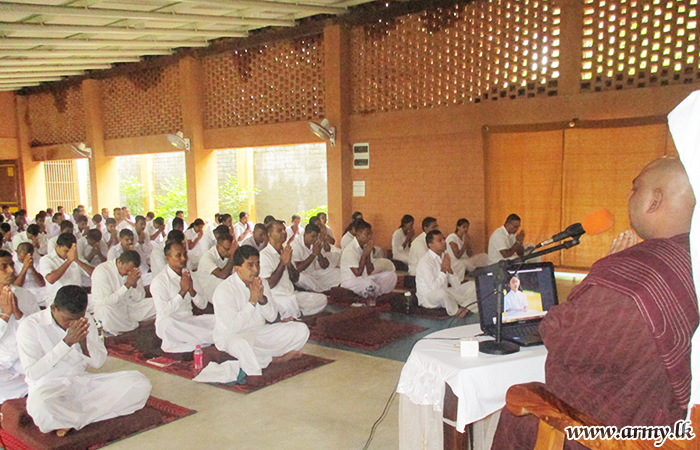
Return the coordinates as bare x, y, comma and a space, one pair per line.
32, 171
570, 46
336, 48
104, 174
200, 163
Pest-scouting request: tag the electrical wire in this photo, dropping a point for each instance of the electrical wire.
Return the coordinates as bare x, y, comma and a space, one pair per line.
381, 418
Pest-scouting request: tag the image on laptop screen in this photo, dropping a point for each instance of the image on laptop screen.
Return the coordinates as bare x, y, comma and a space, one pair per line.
530, 291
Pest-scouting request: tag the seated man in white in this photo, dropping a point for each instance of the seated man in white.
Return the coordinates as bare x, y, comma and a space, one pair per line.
27, 270
215, 266
145, 246
53, 228
506, 242
110, 235
436, 284
81, 223
123, 223
277, 268
419, 247
323, 217
66, 228
171, 222
174, 294
158, 262
194, 236
14, 306
357, 272
401, 240
515, 301
126, 242
118, 294
315, 271
55, 347
63, 267
328, 250
243, 228
6, 233
258, 239
155, 229
244, 311
31, 236
295, 230
464, 260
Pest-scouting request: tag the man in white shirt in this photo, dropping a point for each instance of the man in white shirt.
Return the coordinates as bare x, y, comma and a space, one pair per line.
244, 309
328, 250
81, 222
174, 294
419, 247
277, 268
170, 225
436, 284
31, 236
6, 213
401, 240
63, 267
215, 266
315, 271
155, 229
110, 235
15, 305
55, 347
6, 231
507, 242
122, 222
243, 228
118, 294
20, 223
65, 215
258, 239
126, 242
357, 272
323, 217
27, 270
53, 228
66, 228
295, 230
92, 248
126, 215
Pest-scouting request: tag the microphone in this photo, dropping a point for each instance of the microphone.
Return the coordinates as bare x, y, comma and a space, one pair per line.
595, 223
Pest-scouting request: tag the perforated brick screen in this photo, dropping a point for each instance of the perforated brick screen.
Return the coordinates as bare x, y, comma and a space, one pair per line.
57, 117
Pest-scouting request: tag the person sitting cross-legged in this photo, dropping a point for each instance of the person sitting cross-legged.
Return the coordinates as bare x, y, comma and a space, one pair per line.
243, 308
118, 293
315, 271
174, 295
277, 268
216, 265
55, 347
436, 284
357, 272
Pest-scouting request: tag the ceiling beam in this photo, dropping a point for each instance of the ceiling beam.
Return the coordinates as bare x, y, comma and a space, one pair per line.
81, 53
17, 87
68, 62
139, 15
54, 68
120, 31
4, 76
28, 80
268, 5
85, 43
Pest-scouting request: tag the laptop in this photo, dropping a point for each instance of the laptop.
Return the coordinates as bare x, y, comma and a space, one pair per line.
525, 308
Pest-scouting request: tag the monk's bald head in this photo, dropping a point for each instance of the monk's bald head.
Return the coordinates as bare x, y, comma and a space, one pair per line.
661, 203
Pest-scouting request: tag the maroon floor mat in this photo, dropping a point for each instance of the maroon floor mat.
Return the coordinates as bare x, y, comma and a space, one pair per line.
361, 328
19, 432
125, 347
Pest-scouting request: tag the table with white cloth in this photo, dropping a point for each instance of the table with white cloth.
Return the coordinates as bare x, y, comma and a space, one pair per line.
478, 383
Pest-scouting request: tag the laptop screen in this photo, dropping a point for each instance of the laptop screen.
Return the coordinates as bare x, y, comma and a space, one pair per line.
530, 291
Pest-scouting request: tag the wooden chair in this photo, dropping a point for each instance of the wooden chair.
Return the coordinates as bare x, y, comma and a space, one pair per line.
555, 416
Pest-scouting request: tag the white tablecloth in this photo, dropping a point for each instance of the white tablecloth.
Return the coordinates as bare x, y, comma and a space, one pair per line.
479, 383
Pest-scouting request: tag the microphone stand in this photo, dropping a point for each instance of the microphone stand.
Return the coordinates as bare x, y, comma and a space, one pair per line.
500, 273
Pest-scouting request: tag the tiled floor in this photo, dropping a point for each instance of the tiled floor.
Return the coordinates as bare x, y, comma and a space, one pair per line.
328, 408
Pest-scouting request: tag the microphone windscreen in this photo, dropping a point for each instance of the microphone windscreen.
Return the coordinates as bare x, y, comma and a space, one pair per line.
598, 222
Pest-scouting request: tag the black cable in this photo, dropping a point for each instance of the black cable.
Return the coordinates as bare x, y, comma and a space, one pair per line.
376, 424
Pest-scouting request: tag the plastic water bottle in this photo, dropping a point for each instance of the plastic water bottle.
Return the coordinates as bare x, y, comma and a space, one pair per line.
198, 359
100, 330
371, 297
407, 301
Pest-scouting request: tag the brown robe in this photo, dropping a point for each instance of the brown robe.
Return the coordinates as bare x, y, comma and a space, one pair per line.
604, 359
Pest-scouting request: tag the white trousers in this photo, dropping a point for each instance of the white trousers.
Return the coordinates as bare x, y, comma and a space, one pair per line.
383, 265
270, 341
333, 256
383, 283
451, 298
181, 335
86, 398
117, 319
12, 385
319, 280
294, 305
462, 266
